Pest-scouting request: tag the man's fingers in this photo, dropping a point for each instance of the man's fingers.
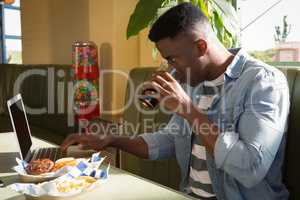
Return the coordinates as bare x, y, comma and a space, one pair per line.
149, 89
161, 81
72, 139
160, 89
84, 147
166, 75
169, 77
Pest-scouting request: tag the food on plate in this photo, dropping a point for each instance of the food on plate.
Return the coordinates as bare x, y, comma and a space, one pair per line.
64, 162
78, 183
39, 166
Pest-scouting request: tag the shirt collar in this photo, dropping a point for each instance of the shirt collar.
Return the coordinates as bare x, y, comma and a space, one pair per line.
236, 67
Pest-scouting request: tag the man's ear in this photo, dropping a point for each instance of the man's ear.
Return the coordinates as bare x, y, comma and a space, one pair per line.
202, 47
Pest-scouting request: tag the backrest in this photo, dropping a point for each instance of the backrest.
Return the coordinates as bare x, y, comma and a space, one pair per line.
41, 86
291, 171
163, 172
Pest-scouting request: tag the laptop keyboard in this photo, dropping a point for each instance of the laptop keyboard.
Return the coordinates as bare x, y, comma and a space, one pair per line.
52, 153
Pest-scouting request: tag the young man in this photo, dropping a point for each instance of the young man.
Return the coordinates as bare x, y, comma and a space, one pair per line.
240, 117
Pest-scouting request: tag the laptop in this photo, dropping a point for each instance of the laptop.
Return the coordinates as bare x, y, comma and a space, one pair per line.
27, 149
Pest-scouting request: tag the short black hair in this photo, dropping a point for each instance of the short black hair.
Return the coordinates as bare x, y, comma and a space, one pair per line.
176, 20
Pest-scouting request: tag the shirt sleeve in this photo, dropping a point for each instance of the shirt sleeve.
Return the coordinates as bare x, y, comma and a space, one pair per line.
161, 143
248, 153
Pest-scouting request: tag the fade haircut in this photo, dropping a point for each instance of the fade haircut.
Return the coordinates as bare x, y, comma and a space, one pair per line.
178, 19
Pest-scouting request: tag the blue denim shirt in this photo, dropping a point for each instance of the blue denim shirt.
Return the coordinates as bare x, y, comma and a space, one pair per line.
249, 152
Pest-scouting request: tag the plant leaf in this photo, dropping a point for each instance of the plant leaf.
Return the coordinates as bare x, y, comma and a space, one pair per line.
218, 26
203, 7
166, 6
228, 40
145, 11
228, 15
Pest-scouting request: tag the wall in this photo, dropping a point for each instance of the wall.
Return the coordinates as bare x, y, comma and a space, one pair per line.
49, 28
101, 18
68, 22
126, 51
35, 31
288, 51
146, 48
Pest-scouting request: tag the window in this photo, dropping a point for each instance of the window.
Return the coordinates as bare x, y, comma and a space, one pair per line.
11, 33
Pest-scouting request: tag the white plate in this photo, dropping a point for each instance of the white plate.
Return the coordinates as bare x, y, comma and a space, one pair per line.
67, 195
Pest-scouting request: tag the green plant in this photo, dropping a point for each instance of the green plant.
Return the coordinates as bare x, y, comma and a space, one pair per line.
266, 56
286, 29
221, 14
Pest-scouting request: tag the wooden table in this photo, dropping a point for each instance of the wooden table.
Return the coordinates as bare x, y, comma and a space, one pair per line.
120, 184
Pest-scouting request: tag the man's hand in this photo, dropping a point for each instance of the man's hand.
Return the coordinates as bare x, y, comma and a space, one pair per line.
174, 98
95, 142
170, 93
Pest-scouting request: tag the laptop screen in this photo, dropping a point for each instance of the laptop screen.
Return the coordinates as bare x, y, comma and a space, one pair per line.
21, 127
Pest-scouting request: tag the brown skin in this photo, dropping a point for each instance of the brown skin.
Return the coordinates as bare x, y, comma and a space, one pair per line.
206, 60
136, 146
